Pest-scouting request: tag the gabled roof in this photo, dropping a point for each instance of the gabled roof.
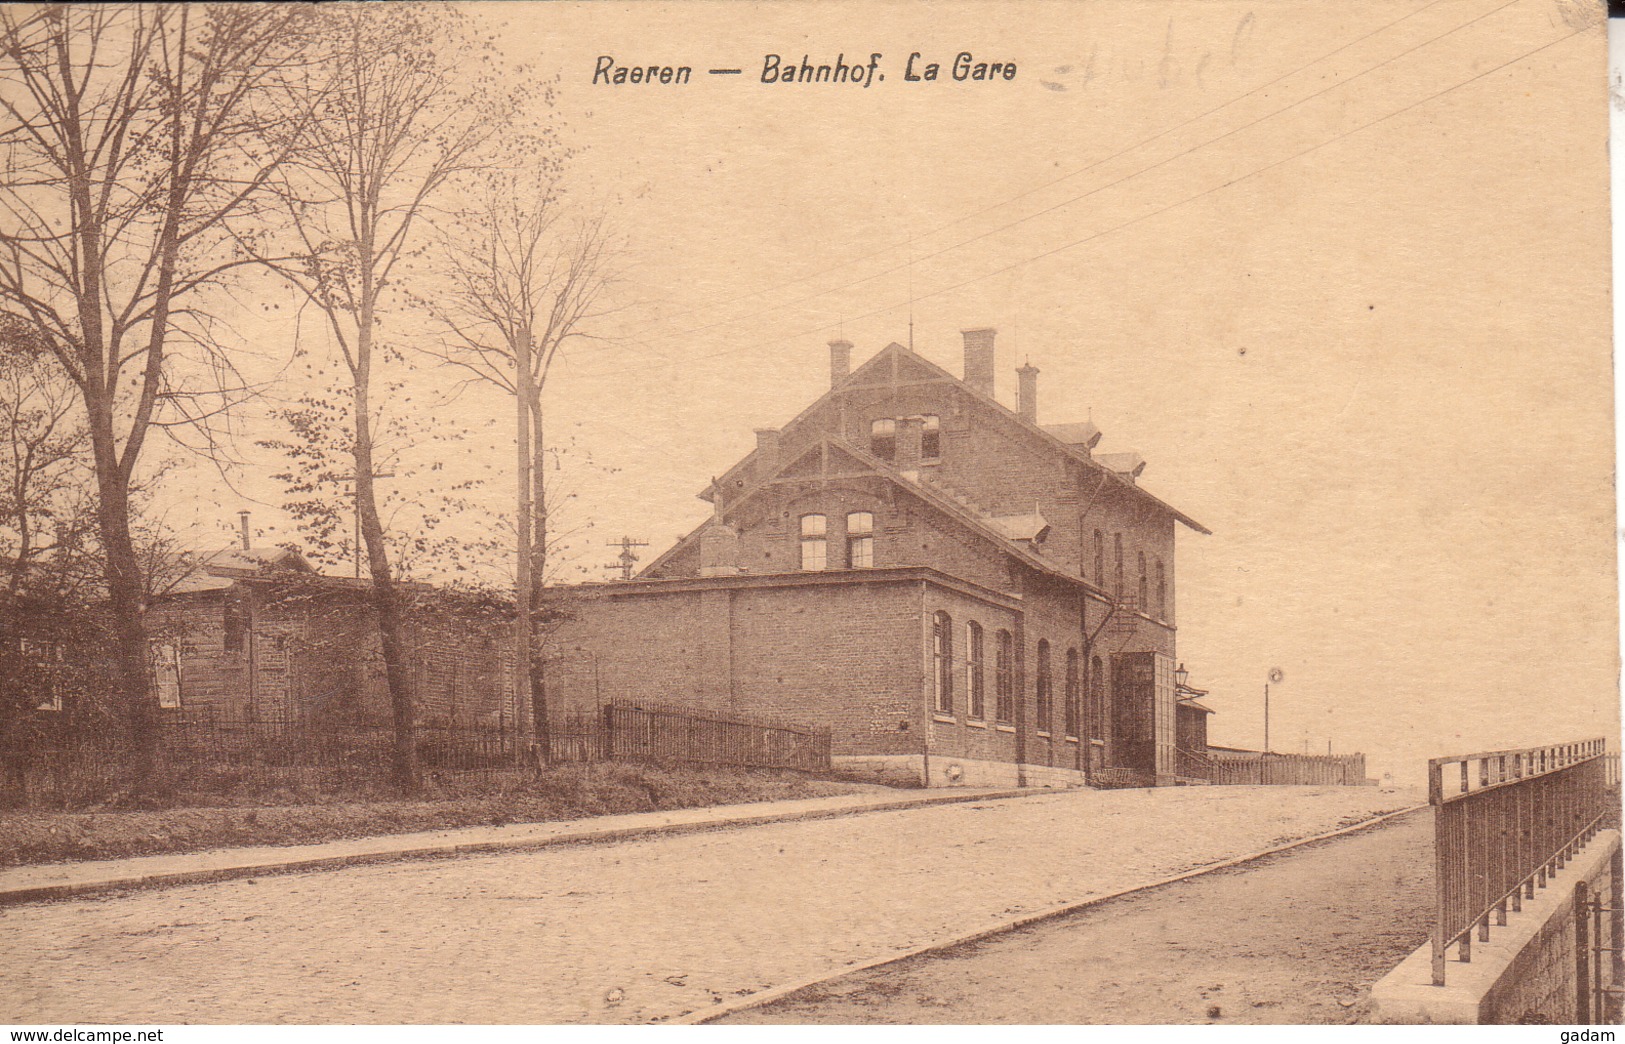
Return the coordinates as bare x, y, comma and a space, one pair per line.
216, 570
1046, 436
988, 528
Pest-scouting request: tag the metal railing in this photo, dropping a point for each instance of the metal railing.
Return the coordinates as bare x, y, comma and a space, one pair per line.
649, 732
1504, 822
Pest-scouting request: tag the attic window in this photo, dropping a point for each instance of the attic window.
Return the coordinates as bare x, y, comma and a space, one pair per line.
814, 547
930, 436
883, 438
860, 540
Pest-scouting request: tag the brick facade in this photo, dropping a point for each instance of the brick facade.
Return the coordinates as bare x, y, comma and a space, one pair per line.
902, 505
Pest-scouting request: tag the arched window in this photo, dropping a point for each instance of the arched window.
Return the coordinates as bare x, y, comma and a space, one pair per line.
942, 651
1072, 692
975, 675
883, 438
860, 540
1100, 560
1004, 679
1145, 594
814, 547
1162, 592
1045, 696
930, 436
1097, 698
1117, 542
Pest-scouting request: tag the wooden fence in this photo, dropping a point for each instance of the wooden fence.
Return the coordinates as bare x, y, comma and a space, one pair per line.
649, 732
1258, 768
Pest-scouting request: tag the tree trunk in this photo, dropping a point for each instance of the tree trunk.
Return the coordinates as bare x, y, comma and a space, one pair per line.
386, 594
538, 558
523, 652
126, 595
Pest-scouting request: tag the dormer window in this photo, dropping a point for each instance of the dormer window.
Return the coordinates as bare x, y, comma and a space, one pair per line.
814, 545
860, 540
883, 438
930, 437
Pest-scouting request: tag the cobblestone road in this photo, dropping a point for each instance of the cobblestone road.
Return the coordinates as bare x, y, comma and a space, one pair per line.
629, 932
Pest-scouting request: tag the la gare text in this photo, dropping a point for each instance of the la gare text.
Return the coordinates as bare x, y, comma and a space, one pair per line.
965, 67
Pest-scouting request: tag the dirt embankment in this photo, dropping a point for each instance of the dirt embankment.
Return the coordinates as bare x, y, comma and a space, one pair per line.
567, 792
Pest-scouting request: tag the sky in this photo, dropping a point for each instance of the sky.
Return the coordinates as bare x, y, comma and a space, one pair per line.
1336, 271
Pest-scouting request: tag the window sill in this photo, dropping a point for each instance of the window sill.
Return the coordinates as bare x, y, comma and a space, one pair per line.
1072, 739
1042, 734
1001, 727
974, 723
1097, 743
946, 719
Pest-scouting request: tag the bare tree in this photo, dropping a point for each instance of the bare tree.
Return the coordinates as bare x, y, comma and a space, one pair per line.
43, 508
403, 109
523, 283
130, 137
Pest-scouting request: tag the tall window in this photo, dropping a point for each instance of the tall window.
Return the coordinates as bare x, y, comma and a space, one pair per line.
814, 549
975, 677
860, 540
1045, 695
883, 438
1072, 692
1004, 679
1162, 592
1097, 698
1145, 599
1117, 542
235, 622
931, 436
1100, 560
166, 672
942, 651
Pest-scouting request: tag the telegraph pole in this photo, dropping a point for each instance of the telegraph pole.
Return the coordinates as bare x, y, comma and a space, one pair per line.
627, 559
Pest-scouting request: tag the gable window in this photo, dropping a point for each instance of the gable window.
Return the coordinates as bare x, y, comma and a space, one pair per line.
166, 672
814, 547
1072, 693
1162, 592
1100, 560
234, 620
1004, 679
1145, 599
860, 540
975, 679
930, 437
942, 651
1045, 695
1117, 542
883, 438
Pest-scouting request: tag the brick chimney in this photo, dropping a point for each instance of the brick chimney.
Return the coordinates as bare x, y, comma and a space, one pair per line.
767, 449
1027, 393
979, 359
910, 435
840, 360
719, 549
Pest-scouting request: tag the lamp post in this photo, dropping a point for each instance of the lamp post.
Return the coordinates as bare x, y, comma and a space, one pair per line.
1276, 676
1181, 676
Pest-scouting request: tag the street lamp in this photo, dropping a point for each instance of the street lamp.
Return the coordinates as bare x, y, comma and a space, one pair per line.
1181, 676
1276, 677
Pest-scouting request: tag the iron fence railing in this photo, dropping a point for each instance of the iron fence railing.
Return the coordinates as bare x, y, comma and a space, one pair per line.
66, 765
1503, 823
651, 732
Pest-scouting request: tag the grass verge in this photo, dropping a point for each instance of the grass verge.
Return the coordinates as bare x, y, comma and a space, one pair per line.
32, 836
